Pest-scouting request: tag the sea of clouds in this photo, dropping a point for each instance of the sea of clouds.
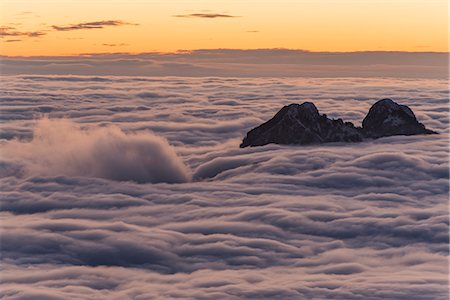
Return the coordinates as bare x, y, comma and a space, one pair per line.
136, 188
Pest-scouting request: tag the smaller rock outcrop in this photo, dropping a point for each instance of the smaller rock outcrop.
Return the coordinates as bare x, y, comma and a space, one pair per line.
301, 124
387, 118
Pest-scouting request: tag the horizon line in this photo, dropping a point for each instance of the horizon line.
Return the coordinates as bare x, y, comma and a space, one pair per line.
191, 51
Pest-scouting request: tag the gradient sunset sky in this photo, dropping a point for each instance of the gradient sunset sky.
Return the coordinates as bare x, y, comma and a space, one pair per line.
67, 27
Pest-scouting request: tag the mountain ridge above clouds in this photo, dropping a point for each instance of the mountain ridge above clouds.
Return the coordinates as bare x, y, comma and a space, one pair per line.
302, 124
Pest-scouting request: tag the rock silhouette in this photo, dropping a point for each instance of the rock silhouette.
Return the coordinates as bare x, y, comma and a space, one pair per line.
386, 118
302, 124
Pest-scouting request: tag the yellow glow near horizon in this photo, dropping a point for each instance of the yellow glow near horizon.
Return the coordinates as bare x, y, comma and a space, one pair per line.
315, 25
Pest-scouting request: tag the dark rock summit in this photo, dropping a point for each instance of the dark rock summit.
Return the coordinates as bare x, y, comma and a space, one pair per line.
386, 118
302, 124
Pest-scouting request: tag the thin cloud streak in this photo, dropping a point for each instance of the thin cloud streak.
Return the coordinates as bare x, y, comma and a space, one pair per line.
6, 31
205, 16
114, 45
91, 25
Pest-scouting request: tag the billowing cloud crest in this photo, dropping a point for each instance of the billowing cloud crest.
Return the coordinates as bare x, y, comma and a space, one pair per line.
61, 147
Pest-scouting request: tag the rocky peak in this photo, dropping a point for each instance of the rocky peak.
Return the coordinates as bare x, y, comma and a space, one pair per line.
386, 118
304, 113
308, 109
301, 124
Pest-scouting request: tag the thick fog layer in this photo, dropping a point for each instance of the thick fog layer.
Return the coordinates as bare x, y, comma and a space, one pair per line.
133, 188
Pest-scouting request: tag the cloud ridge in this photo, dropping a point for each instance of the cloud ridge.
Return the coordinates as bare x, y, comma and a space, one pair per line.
61, 147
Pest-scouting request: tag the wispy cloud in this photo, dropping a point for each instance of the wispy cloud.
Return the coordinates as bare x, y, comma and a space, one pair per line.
13, 31
205, 16
114, 45
8, 31
26, 15
91, 25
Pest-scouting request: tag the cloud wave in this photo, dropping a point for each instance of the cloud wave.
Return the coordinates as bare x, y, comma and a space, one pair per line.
61, 147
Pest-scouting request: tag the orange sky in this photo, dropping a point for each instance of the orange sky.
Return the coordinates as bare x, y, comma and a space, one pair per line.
144, 26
